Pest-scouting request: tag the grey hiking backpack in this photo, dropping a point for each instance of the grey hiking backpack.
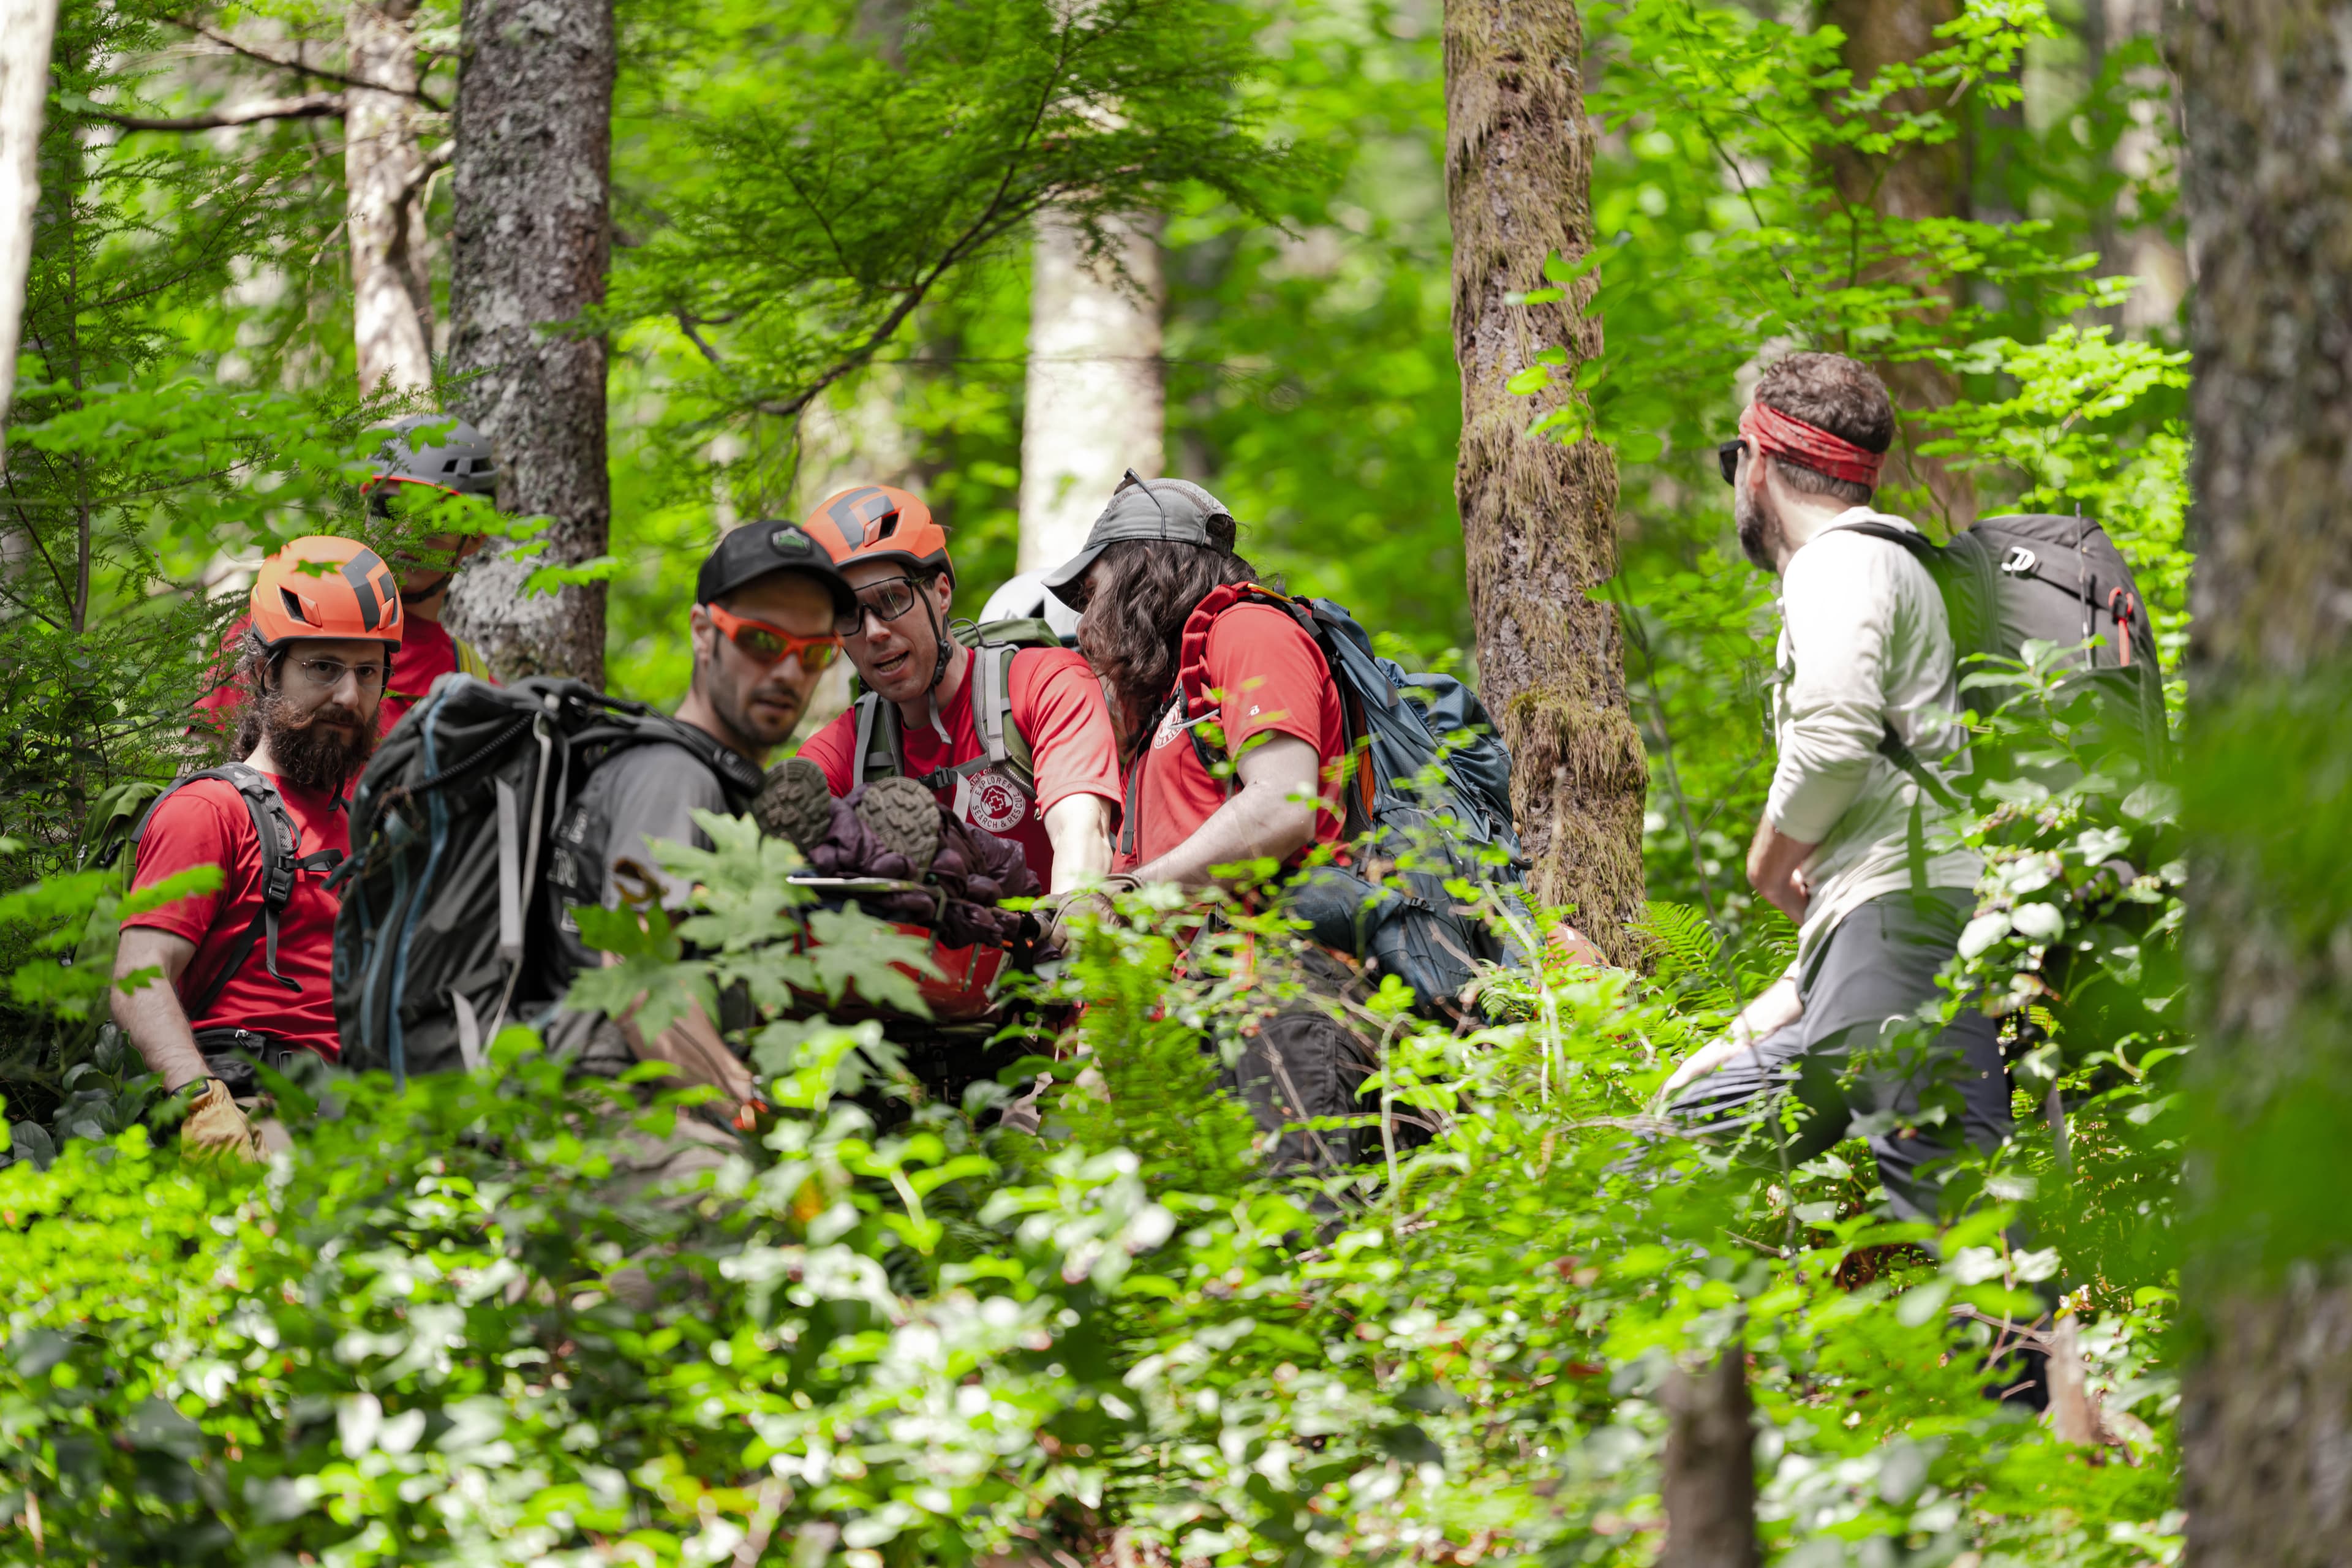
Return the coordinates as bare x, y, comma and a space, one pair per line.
469, 842
880, 749
2009, 580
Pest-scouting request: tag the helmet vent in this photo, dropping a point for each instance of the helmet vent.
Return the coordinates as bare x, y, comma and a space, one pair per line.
451, 466
293, 605
481, 466
888, 527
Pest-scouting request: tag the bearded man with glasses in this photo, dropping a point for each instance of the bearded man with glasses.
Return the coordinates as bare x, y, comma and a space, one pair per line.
211, 983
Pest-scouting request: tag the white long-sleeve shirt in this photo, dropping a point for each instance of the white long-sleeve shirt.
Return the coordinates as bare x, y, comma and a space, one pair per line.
1864, 643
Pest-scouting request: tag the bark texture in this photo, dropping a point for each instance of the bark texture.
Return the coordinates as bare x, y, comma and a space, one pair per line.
28, 26
1538, 517
529, 251
2266, 1420
1097, 398
1709, 1486
383, 210
1922, 182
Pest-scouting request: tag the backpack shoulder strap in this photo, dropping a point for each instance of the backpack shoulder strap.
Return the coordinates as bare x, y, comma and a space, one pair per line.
1925, 549
274, 831
1192, 649
878, 749
1002, 743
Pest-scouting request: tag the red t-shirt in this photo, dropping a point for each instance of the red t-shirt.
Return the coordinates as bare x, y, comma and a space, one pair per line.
427, 652
206, 824
1273, 681
1057, 705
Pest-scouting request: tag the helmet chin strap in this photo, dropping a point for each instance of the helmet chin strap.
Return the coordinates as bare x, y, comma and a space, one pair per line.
938, 672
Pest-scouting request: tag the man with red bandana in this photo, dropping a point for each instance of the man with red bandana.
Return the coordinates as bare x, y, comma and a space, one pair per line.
1852, 849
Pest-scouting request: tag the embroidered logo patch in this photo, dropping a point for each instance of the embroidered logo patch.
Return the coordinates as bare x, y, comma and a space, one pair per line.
1172, 724
997, 804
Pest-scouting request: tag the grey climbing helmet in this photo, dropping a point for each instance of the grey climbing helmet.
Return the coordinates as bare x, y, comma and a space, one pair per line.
436, 450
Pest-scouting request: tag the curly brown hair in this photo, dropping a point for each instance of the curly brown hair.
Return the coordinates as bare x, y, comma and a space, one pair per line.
1135, 620
1831, 393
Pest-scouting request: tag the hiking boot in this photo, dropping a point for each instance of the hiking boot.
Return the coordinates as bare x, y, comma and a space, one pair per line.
795, 803
906, 817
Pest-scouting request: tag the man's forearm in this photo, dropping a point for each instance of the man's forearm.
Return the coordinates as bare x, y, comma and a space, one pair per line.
1078, 827
1774, 860
152, 1015
159, 1032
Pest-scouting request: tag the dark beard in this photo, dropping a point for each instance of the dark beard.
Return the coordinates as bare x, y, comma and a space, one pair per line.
1756, 530
308, 755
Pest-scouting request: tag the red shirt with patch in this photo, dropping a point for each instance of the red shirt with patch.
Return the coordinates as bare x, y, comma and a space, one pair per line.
427, 652
206, 824
1058, 705
1273, 681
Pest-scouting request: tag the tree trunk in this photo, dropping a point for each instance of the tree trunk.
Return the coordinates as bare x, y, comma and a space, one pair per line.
2133, 249
1924, 182
383, 211
529, 245
1709, 1486
1537, 516
2266, 1418
28, 25
1096, 402
852, 436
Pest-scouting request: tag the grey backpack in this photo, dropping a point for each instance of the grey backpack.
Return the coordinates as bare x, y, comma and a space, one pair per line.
2009, 580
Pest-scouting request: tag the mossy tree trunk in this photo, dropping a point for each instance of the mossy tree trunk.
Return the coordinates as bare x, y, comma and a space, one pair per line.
2266, 1420
1919, 181
1537, 515
529, 247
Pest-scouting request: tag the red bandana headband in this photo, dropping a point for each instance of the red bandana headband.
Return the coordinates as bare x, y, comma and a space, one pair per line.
1816, 448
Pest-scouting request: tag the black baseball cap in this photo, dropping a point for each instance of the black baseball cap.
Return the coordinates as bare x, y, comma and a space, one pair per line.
753, 550
1174, 509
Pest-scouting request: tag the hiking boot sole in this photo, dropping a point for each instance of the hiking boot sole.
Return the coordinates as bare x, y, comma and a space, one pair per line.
795, 803
905, 817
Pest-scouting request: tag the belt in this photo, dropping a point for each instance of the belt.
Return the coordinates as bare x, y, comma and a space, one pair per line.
233, 1057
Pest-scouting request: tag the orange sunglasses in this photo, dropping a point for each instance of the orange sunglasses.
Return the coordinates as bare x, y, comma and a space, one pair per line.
773, 645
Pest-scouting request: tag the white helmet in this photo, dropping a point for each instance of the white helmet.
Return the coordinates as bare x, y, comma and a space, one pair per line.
1026, 595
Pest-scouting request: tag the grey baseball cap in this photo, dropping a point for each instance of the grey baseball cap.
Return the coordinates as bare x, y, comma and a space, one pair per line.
1176, 510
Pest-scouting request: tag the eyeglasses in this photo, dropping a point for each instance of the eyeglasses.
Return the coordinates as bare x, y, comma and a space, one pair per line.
1727, 456
765, 644
326, 674
886, 601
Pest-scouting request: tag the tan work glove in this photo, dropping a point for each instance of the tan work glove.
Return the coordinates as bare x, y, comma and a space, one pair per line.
1057, 912
215, 1126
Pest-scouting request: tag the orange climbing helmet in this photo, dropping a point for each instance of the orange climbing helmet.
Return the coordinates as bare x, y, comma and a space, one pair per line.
327, 588
879, 522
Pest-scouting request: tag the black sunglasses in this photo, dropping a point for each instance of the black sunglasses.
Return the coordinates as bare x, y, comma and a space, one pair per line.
1727, 454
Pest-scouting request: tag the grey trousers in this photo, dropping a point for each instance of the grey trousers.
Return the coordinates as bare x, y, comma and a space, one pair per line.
1303, 1064
1857, 1064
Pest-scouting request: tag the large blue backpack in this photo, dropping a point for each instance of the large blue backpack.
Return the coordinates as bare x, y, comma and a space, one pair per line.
1429, 801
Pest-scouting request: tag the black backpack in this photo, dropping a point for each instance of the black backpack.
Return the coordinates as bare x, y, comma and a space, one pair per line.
2057, 579
1398, 725
274, 830
880, 750
469, 842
